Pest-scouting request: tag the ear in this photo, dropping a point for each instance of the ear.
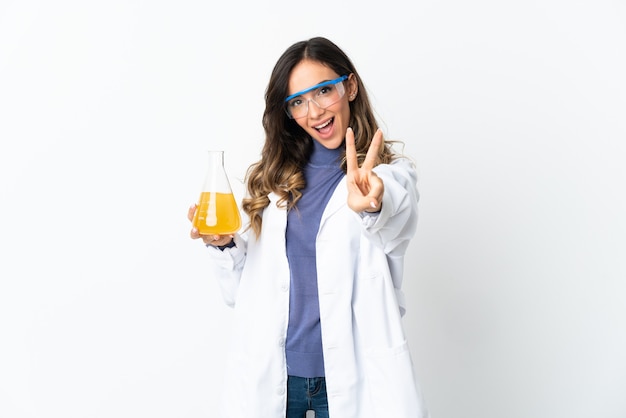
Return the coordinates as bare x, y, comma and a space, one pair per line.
352, 87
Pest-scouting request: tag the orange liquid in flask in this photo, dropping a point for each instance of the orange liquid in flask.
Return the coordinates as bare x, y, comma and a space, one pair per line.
217, 214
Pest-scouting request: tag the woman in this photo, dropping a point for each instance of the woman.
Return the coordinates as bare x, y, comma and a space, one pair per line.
315, 280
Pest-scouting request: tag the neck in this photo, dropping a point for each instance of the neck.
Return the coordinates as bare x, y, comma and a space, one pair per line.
322, 156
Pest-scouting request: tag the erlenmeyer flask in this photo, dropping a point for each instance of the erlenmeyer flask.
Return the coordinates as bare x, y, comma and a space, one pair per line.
217, 212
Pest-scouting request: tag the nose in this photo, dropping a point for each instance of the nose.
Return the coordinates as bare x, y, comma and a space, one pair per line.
316, 110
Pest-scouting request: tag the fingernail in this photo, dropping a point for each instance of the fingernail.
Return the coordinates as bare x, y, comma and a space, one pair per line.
194, 230
373, 205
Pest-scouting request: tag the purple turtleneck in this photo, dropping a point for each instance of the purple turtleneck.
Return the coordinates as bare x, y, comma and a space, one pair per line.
304, 338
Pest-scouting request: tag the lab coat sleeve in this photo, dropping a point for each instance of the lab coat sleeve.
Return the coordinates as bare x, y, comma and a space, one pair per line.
226, 266
393, 227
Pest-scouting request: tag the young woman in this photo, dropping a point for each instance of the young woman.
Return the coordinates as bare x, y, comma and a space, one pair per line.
315, 280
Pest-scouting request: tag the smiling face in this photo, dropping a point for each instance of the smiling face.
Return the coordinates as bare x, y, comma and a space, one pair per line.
327, 126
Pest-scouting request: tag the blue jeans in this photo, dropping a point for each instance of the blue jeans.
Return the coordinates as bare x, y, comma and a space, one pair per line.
305, 394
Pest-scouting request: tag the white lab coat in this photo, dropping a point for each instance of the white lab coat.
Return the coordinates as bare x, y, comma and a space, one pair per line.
369, 371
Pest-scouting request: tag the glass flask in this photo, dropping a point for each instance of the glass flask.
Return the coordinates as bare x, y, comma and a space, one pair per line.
217, 212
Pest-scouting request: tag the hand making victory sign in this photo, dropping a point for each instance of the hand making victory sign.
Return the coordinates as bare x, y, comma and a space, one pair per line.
365, 188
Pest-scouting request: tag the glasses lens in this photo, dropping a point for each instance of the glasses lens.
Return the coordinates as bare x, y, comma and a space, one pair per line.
327, 94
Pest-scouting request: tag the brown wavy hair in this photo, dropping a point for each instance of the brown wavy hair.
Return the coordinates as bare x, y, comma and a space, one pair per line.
287, 146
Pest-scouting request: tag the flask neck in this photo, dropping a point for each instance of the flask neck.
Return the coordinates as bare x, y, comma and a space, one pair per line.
216, 158
216, 179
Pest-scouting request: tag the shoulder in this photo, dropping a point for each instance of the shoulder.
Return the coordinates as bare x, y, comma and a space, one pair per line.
401, 169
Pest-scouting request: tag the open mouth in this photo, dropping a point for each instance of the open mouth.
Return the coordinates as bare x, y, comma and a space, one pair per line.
325, 127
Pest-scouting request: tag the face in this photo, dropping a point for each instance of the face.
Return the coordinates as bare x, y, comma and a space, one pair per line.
327, 126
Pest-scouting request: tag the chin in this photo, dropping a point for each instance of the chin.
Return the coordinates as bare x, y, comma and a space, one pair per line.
330, 143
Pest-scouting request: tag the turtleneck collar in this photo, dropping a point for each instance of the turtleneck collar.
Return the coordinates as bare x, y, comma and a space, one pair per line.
324, 157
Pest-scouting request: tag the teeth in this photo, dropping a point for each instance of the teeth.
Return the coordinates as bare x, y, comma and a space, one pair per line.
324, 124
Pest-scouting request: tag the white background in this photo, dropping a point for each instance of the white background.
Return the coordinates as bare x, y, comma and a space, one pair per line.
515, 113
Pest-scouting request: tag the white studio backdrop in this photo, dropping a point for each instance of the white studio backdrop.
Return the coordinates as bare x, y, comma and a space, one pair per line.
514, 112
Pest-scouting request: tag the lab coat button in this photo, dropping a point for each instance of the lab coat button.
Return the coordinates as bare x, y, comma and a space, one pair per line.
284, 287
281, 342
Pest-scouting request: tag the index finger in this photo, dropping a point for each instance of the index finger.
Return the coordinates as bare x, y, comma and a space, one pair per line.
372, 152
351, 160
